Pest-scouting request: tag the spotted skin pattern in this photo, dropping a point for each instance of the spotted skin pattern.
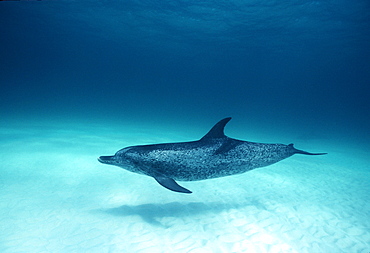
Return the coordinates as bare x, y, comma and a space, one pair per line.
213, 156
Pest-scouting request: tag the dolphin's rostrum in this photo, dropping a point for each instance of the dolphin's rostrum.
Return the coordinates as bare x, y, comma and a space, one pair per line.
214, 155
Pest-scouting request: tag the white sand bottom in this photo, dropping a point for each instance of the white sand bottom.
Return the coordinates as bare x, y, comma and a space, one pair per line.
56, 197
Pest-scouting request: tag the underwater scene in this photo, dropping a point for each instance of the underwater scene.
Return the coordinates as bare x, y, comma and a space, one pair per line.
185, 126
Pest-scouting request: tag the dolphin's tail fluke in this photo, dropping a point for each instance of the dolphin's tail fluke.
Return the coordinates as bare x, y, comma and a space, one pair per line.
298, 151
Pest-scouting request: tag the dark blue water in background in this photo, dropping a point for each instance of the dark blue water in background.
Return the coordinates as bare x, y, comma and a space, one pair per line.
81, 79
272, 64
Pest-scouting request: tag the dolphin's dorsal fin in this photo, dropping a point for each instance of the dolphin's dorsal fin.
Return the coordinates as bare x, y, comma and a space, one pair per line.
217, 130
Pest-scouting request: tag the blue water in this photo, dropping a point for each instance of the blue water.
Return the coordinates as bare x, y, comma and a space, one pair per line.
84, 79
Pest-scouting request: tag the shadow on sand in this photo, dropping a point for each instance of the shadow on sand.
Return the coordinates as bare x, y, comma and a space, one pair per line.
151, 213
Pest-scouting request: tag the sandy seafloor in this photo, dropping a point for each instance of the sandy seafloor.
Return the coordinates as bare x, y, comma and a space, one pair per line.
56, 197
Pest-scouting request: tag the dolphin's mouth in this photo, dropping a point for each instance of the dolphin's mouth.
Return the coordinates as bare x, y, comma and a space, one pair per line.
106, 159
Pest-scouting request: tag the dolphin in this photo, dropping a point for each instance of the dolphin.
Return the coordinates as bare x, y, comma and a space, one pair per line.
214, 155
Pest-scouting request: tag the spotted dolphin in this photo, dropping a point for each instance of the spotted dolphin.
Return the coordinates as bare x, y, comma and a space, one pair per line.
215, 155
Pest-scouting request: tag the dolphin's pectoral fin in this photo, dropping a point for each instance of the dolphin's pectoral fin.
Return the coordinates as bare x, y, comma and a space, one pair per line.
171, 184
